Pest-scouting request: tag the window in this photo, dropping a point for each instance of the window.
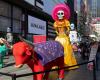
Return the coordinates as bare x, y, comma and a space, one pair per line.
5, 13
5, 9
4, 23
16, 26
9, 20
17, 15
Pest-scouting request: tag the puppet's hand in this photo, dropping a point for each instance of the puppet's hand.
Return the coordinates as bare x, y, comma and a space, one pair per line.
67, 33
6, 43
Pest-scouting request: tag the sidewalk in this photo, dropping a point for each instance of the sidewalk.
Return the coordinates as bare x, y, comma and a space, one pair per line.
79, 74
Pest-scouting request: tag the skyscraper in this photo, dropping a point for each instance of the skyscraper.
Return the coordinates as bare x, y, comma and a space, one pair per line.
94, 8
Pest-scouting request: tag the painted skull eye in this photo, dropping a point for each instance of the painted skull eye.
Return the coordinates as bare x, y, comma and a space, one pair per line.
61, 13
58, 13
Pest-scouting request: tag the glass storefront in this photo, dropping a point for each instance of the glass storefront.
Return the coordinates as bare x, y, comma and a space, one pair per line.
17, 17
10, 16
51, 31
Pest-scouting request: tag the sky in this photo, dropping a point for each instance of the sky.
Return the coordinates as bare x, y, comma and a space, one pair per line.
49, 5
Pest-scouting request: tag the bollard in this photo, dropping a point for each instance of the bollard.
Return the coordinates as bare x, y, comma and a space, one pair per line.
94, 70
13, 76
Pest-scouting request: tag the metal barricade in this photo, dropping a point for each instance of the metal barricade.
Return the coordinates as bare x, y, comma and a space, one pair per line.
14, 76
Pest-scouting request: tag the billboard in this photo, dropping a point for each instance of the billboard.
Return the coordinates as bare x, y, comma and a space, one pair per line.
36, 26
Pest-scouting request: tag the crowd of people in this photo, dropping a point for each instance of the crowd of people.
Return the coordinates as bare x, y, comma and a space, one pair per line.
88, 51
6, 45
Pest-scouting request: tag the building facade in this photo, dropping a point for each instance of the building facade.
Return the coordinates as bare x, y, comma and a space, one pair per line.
25, 17
94, 11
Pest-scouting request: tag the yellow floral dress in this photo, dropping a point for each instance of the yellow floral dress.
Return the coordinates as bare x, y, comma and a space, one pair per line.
63, 38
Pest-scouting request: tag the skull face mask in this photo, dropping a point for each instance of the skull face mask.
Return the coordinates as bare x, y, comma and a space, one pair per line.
60, 14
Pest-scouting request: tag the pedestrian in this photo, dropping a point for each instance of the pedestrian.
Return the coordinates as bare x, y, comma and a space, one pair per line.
9, 39
93, 53
3, 50
84, 50
98, 57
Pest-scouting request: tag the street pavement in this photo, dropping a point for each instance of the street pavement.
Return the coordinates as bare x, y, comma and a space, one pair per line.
78, 74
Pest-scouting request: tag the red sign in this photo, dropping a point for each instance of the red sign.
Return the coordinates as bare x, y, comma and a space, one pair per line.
39, 38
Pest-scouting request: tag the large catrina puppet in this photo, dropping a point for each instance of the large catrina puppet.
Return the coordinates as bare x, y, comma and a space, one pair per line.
61, 15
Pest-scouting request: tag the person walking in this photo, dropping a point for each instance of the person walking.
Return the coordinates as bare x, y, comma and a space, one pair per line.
3, 50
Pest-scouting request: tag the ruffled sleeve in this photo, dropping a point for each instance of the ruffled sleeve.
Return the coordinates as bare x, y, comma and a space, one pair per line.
67, 25
55, 27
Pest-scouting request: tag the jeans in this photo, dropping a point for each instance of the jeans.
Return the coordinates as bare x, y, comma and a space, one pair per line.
98, 61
